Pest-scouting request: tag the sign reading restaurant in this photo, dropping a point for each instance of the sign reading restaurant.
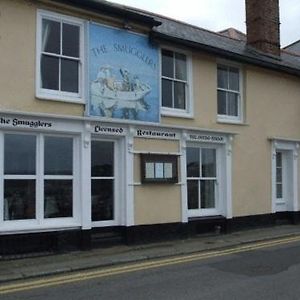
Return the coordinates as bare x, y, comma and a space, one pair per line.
123, 72
162, 134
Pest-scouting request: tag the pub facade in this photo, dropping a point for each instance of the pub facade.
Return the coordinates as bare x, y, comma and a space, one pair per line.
122, 125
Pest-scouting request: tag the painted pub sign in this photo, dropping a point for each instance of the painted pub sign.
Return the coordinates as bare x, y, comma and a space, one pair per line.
123, 75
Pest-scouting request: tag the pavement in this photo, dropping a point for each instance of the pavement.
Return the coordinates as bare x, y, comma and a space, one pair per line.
46, 265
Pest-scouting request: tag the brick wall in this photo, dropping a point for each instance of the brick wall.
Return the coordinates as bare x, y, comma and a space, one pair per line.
262, 19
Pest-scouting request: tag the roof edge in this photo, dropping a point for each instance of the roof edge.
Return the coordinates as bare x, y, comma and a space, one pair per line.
226, 54
111, 9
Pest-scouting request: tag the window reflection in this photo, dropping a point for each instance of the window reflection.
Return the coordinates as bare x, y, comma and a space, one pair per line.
58, 155
19, 154
102, 200
58, 195
102, 158
19, 199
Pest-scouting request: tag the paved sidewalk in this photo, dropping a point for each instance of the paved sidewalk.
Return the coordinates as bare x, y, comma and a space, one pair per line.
81, 260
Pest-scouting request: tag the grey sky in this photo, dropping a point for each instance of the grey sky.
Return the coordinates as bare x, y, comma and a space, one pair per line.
220, 14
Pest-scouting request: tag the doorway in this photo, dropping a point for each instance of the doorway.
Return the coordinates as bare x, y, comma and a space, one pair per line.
104, 182
284, 181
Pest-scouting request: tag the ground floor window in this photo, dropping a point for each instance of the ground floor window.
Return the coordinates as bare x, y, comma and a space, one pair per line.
38, 176
58, 176
19, 176
201, 179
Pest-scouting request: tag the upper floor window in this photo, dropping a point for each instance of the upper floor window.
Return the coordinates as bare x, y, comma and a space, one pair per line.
229, 93
174, 83
60, 57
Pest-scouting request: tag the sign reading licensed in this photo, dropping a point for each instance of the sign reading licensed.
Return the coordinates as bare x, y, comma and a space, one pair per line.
110, 130
206, 138
147, 133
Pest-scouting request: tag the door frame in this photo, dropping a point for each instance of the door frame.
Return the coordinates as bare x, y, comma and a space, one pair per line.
118, 183
289, 152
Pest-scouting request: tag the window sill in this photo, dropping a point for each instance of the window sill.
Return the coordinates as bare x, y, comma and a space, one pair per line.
176, 114
231, 122
59, 98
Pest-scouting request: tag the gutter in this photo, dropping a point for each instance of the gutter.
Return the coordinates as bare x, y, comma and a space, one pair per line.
110, 9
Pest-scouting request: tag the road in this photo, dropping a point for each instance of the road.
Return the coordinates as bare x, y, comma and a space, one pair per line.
266, 271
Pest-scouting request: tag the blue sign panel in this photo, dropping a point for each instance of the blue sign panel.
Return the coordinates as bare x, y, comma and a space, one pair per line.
123, 74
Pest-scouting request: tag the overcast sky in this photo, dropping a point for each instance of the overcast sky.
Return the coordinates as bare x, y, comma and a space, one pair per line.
220, 14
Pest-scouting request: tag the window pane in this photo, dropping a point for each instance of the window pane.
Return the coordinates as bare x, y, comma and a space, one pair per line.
70, 40
221, 103
234, 81
180, 66
179, 95
102, 199
102, 159
49, 72
278, 159
279, 175
192, 162
50, 36
167, 63
193, 194
232, 104
222, 77
167, 93
207, 194
19, 199
19, 154
208, 159
279, 190
69, 75
58, 156
58, 195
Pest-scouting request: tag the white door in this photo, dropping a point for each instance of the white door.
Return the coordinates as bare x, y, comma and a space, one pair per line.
283, 182
104, 182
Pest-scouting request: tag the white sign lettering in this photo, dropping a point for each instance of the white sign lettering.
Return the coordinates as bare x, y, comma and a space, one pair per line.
206, 138
110, 130
156, 134
16, 122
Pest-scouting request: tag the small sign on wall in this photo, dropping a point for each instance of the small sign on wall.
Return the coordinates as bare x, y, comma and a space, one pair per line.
206, 138
157, 168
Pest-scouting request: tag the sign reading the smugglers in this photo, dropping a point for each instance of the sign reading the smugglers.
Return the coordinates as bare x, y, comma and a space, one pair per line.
24, 123
123, 75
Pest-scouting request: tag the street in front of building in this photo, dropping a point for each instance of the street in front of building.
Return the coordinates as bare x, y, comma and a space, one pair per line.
269, 271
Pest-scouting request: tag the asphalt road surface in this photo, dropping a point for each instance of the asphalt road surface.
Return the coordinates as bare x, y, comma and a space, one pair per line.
268, 272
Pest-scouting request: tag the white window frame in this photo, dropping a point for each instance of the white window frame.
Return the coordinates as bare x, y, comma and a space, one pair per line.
47, 94
227, 118
41, 223
219, 205
175, 112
